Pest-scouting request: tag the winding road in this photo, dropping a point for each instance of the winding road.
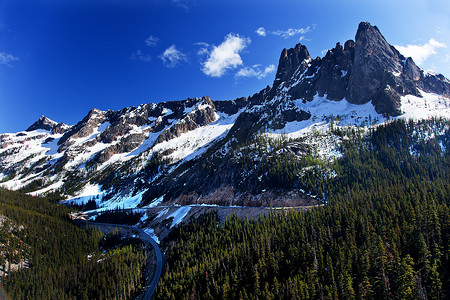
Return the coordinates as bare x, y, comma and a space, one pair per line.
150, 291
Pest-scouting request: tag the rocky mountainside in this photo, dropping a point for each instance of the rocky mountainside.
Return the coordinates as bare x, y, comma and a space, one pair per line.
366, 69
233, 152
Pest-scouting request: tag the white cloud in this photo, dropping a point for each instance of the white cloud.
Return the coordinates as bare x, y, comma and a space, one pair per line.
139, 55
183, 4
255, 71
151, 41
203, 44
285, 33
290, 32
6, 59
420, 53
204, 48
261, 31
172, 57
225, 56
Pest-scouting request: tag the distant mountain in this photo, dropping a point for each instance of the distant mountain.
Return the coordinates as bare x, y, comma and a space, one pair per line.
226, 152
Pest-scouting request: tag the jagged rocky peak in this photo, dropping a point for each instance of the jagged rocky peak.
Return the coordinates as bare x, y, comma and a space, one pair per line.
45, 123
290, 61
366, 69
374, 62
42, 123
83, 128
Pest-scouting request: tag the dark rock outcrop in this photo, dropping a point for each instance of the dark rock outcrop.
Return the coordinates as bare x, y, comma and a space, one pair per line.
231, 107
83, 128
202, 115
373, 58
367, 69
292, 61
126, 144
45, 123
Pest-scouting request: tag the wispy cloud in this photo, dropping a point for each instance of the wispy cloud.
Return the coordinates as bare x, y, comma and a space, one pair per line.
171, 57
151, 41
261, 31
204, 48
255, 71
420, 53
184, 4
6, 59
139, 55
225, 56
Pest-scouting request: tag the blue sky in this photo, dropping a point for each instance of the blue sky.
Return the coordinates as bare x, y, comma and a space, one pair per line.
60, 58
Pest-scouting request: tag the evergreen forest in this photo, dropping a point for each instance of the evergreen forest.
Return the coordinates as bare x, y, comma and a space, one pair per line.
58, 259
382, 232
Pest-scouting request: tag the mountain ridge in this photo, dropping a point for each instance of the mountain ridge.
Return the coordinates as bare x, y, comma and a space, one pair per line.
190, 151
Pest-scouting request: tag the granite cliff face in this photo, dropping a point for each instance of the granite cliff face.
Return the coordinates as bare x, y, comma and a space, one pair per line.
366, 69
201, 150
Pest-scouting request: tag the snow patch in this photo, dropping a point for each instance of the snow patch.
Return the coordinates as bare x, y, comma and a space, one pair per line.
193, 143
89, 192
47, 189
347, 113
178, 215
167, 111
188, 110
156, 201
51, 144
128, 201
149, 231
162, 213
430, 105
102, 127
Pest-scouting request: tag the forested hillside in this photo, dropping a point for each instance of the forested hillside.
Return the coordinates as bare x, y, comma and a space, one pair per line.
60, 260
383, 233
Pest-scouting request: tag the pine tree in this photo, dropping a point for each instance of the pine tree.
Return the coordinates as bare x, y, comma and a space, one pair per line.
406, 281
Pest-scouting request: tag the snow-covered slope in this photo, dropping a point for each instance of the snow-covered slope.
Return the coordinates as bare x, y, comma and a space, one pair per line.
42, 161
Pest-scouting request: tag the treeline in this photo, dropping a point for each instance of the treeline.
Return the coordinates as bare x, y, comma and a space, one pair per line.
63, 261
119, 216
383, 234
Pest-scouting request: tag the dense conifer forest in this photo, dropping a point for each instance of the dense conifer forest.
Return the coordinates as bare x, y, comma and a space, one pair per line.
60, 260
382, 233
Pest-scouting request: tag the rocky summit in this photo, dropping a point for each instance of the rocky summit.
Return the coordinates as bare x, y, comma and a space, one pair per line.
205, 151
366, 69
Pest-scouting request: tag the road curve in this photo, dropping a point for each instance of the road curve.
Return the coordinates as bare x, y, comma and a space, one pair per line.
150, 291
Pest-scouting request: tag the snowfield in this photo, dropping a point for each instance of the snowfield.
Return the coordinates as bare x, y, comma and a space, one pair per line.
430, 105
327, 113
193, 143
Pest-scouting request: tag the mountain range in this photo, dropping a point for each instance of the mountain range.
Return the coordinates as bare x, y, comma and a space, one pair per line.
229, 152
